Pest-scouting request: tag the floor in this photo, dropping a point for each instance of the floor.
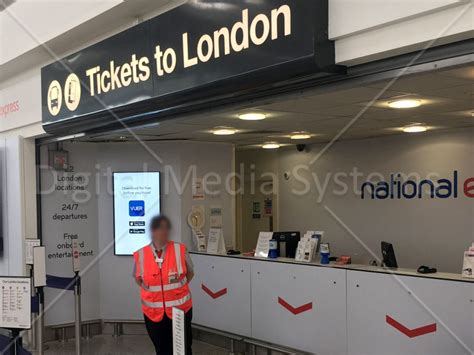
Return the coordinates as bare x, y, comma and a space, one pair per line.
125, 345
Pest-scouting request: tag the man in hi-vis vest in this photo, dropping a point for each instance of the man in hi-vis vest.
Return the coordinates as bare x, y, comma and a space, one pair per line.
163, 270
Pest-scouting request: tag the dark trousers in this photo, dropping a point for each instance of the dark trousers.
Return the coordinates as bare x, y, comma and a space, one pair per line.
161, 334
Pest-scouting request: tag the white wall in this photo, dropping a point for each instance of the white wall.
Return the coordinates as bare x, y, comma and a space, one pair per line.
59, 305
34, 22
118, 293
109, 291
367, 30
20, 99
433, 232
11, 176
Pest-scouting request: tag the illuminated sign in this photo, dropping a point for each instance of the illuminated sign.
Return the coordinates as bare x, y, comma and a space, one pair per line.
198, 51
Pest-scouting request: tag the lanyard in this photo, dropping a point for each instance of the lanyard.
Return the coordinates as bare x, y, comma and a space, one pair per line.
158, 260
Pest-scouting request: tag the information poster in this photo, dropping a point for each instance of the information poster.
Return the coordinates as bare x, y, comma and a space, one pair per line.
70, 212
15, 298
136, 201
216, 244
263, 244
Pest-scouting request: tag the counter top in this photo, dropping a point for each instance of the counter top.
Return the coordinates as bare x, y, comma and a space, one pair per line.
353, 267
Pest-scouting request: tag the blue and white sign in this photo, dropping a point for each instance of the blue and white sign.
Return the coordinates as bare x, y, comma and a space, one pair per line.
136, 201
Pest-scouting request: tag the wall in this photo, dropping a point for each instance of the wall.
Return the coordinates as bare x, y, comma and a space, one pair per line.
116, 287
12, 201
20, 101
68, 211
34, 22
367, 30
433, 232
108, 278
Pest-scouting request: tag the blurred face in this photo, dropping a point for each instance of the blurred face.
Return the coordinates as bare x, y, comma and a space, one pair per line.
161, 235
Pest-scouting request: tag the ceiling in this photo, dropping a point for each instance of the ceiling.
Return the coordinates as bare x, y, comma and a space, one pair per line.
362, 112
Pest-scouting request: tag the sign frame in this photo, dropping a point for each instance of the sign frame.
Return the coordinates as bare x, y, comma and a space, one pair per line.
27, 302
226, 73
113, 201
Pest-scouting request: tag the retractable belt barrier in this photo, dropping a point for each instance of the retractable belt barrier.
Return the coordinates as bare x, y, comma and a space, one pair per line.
67, 284
7, 346
61, 283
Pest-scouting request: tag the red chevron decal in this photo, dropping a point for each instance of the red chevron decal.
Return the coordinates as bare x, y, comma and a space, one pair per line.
411, 333
214, 295
304, 308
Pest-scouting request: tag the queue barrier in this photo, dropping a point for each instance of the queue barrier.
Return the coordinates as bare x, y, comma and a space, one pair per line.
35, 304
233, 338
6, 345
67, 284
61, 283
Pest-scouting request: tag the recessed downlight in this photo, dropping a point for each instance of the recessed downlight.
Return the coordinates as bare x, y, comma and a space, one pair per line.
253, 116
300, 135
271, 145
415, 129
224, 131
404, 103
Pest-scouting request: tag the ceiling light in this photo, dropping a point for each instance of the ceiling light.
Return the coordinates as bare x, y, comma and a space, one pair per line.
122, 138
300, 135
405, 103
271, 145
224, 131
253, 116
415, 129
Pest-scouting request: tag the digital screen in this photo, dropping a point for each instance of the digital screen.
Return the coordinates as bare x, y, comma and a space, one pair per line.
136, 202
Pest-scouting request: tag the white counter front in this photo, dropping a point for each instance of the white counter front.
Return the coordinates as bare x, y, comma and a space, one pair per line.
336, 310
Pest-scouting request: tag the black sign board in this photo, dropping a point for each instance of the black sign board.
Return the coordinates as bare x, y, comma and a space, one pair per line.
197, 51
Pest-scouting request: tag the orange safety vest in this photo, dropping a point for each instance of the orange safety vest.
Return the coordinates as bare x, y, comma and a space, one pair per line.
166, 287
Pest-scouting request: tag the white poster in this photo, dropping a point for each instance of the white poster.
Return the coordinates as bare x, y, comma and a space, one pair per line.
263, 244
136, 202
15, 301
39, 266
215, 220
215, 244
29, 245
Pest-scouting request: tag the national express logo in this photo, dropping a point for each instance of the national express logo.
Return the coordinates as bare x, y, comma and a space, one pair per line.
9, 108
398, 188
71, 95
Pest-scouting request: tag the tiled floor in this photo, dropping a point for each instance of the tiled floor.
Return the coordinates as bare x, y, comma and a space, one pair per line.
125, 345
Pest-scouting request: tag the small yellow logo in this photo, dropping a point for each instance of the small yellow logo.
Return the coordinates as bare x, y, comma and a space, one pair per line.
55, 98
72, 92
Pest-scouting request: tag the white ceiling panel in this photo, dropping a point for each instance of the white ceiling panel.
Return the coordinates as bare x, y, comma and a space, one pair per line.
447, 102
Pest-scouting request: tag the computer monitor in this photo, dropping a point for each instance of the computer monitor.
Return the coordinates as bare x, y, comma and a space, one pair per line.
287, 243
388, 255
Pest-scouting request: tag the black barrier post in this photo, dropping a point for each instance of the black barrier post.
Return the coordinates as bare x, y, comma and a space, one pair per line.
33, 335
77, 303
40, 321
16, 343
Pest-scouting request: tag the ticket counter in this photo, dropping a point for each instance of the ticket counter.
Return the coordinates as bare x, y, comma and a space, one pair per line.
334, 309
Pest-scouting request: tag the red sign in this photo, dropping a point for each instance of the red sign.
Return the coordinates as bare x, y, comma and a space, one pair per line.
214, 295
295, 310
411, 333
